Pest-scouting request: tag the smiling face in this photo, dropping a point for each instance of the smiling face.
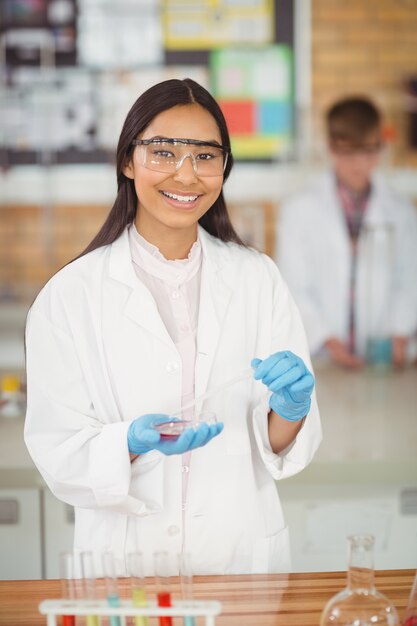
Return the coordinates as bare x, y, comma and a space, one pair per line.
170, 205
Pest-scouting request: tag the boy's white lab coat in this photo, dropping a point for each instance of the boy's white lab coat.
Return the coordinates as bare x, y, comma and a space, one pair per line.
314, 256
98, 356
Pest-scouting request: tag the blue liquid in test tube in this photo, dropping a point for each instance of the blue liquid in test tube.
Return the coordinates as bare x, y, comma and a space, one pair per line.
186, 579
113, 599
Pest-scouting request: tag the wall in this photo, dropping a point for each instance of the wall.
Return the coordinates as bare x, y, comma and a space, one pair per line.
368, 48
35, 243
357, 47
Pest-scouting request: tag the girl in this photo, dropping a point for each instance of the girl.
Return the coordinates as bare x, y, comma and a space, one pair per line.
165, 304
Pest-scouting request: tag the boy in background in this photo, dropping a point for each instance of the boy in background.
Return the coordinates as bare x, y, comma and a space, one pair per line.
319, 249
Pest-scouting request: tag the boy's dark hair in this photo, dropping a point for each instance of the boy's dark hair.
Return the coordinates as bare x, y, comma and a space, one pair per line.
352, 119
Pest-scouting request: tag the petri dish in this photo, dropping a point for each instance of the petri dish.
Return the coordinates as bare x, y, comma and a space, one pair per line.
172, 429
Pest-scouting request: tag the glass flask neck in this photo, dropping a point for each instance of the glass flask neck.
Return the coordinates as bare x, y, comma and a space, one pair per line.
361, 563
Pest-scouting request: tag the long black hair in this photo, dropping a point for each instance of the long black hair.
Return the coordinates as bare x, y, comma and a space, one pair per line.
155, 100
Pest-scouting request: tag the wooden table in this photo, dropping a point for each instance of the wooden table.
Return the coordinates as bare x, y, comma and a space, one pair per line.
257, 600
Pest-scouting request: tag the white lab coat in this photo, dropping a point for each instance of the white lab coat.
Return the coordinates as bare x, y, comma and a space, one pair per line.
314, 255
99, 355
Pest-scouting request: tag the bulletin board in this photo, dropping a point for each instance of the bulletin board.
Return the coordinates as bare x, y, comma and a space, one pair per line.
190, 25
254, 90
36, 18
106, 54
253, 81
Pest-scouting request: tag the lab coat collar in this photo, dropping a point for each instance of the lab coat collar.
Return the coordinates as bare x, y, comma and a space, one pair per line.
140, 306
120, 264
217, 278
121, 268
327, 189
378, 210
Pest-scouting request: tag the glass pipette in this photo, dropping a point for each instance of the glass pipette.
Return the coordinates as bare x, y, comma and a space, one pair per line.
247, 373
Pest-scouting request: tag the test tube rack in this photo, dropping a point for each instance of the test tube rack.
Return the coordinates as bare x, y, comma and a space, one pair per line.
195, 608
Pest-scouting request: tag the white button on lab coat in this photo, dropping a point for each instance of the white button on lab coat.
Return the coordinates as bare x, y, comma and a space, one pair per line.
95, 345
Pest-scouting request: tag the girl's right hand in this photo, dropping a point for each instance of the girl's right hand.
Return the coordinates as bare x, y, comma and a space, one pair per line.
142, 437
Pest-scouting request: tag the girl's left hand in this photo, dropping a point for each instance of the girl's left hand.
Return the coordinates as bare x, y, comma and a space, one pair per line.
287, 376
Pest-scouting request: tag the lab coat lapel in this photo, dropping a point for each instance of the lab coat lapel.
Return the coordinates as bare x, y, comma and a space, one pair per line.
335, 216
378, 211
337, 223
215, 295
140, 307
142, 310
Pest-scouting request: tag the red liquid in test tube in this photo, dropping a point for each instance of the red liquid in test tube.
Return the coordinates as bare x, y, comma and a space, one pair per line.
162, 581
164, 599
67, 583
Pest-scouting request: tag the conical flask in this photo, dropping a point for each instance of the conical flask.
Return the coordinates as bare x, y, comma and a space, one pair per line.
360, 604
410, 615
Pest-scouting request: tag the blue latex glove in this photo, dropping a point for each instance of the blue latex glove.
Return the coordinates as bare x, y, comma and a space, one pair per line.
142, 438
286, 375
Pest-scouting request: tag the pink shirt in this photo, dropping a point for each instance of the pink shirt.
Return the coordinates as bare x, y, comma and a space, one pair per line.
175, 287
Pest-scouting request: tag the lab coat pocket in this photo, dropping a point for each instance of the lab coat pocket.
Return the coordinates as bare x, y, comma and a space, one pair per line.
272, 554
270, 506
100, 531
147, 483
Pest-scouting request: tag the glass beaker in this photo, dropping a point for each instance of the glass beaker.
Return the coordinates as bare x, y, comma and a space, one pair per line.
360, 604
377, 247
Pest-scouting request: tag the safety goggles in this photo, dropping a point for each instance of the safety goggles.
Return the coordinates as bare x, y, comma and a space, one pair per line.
347, 149
168, 155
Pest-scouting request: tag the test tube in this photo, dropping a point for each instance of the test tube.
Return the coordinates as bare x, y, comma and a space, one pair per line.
112, 592
67, 583
137, 581
186, 580
162, 581
89, 585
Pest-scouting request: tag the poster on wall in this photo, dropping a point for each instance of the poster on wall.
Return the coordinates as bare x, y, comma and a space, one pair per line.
255, 91
124, 34
208, 24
